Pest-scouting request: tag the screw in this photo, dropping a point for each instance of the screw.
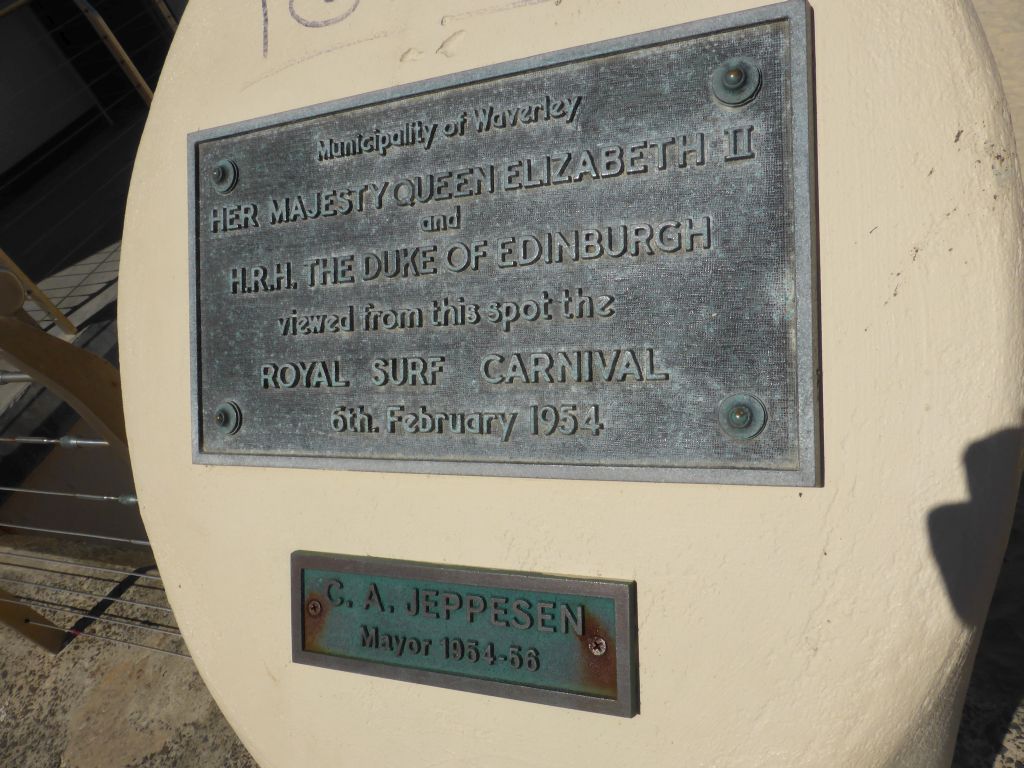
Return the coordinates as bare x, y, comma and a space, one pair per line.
742, 416
313, 608
598, 646
736, 82
734, 78
224, 175
228, 417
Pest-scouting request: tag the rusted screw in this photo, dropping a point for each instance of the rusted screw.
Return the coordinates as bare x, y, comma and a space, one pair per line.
313, 608
598, 646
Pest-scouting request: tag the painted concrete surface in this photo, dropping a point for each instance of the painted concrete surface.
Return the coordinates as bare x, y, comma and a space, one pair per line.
99, 704
831, 626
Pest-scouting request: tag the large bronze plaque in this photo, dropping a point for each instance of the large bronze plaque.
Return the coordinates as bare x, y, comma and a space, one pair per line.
597, 263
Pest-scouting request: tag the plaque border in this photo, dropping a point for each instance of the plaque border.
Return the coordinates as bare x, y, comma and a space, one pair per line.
627, 700
809, 471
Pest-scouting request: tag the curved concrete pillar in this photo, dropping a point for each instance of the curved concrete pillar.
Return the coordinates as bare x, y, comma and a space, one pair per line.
777, 626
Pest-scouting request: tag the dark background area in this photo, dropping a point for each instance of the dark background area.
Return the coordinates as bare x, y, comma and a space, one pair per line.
65, 199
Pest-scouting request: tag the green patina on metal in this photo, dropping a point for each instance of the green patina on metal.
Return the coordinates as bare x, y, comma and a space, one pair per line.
487, 631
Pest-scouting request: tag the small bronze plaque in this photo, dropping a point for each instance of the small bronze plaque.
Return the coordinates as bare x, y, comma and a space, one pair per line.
548, 639
597, 263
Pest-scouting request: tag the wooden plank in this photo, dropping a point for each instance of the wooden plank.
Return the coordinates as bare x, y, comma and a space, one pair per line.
34, 293
85, 381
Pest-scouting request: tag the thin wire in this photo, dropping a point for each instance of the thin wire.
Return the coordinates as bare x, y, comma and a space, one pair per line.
52, 226
123, 97
83, 241
95, 268
127, 499
48, 34
56, 561
80, 593
105, 579
68, 441
137, 542
89, 158
86, 84
66, 60
78, 633
103, 619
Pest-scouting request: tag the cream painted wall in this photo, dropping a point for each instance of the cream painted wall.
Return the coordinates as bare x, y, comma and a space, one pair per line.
778, 627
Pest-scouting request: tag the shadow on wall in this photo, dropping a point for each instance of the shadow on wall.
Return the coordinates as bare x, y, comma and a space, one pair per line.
967, 542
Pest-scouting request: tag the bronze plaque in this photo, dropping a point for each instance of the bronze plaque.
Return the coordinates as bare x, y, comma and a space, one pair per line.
597, 263
536, 637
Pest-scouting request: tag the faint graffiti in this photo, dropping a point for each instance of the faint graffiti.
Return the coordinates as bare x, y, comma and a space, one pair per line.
309, 16
314, 22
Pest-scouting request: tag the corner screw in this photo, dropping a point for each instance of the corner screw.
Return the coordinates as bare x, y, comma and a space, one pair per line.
736, 82
224, 175
742, 416
598, 646
313, 608
228, 417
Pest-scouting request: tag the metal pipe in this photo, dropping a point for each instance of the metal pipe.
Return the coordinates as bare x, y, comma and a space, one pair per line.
55, 561
126, 499
109, 639
13, 377
67, 441
80, 593
102, 619
137, 542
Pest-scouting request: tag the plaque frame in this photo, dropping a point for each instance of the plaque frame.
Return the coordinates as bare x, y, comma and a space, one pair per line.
809, 469
623, 593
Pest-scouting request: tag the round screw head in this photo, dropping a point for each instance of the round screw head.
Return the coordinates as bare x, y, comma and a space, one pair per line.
224, 175
734, 78
598, 646
228, 417
314, 608
735, 82
742, 416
